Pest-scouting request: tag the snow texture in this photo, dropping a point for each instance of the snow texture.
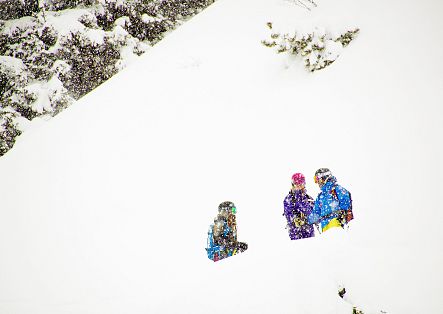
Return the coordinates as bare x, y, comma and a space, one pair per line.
105, 207
12, 64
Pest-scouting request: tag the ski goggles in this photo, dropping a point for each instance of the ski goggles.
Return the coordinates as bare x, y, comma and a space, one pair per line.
321, 175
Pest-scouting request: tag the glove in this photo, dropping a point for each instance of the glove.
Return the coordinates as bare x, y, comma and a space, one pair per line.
299, 220
349, 215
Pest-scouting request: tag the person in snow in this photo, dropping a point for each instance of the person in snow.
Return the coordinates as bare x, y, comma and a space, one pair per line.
297, 207
224, 231
333, 206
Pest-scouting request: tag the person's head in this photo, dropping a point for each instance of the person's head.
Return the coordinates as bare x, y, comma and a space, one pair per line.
227, 207
298, 182
322, 176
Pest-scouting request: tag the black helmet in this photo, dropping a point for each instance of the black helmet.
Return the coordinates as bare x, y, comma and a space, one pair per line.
227, 206
323, 174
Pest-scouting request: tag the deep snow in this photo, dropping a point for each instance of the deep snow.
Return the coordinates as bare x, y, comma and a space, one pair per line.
105, 208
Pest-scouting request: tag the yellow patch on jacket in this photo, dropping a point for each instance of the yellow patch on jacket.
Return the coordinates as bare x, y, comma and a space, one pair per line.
332, 224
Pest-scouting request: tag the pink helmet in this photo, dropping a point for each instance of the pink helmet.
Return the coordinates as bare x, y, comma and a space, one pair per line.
298, 179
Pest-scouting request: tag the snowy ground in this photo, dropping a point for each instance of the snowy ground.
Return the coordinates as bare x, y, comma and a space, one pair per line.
105, 208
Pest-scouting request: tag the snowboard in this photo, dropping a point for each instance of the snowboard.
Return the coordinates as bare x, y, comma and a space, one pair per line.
217, 253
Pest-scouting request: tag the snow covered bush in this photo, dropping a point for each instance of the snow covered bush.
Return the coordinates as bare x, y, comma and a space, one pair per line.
13, 9
109, 11
13, 82
138, 18
318, 48
147, 20
48, 35
91, 62
28, 65
57, 5
48, 97
178, 9
8, 130
55, 51
30, 98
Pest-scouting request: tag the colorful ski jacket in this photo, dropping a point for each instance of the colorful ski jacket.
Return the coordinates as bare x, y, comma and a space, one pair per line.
225, 230
330, 203
297, 207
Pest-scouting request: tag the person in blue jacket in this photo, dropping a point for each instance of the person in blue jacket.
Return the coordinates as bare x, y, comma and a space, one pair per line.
333, 206
222, 234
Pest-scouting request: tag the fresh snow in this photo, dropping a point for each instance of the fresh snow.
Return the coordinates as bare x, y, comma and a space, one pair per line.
45, 90
66, 21
12, 64
105, 207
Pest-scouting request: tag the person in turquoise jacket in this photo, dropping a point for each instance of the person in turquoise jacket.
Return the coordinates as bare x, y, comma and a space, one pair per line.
333, 206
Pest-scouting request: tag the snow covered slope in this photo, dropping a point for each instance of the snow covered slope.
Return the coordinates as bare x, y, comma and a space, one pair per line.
105, 208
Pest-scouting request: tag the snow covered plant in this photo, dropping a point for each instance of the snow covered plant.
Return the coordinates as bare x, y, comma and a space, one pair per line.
318, 48
91, 61
30, 84
13, 9
55, 51
57, 5
147, 20
140, 19
13, 82
11, 78
8, 130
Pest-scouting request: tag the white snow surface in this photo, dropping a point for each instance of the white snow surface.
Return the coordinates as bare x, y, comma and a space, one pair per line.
12, 64
105, 208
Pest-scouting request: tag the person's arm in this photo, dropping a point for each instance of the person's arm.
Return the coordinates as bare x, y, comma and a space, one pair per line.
288, 206
308, 204
343, 198
314, 217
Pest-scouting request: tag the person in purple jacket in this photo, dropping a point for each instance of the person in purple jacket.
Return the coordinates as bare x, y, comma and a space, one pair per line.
298, 206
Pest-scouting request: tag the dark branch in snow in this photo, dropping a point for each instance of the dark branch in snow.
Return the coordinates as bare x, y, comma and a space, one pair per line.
306, 4
318, 48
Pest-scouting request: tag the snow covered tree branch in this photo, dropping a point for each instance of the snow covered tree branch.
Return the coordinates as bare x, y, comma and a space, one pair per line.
306, 4
317, 48
50, 56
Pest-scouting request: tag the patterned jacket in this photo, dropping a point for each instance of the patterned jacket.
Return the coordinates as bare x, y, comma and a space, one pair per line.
332, 202
297, 207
